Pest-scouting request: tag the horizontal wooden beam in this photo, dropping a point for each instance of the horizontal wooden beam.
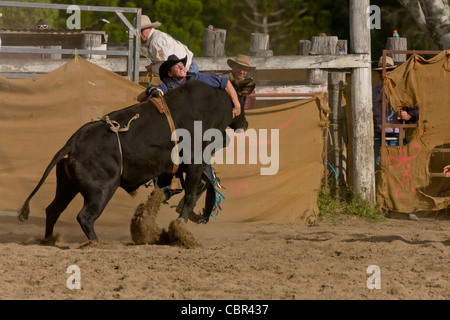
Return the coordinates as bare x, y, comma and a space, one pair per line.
205, 64
63, 51
348, 61
48, 65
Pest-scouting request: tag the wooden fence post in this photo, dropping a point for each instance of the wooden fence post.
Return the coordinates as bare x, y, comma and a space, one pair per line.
51, 55
397, 44
214, 42
362, 115
304, 47
337, 146
321, 45
92, 42
259, 45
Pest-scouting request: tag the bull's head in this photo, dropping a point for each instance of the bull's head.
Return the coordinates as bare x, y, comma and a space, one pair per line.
243, 88
240, 122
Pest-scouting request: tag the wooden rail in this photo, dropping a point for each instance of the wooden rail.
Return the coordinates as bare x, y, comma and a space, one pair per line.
330, 63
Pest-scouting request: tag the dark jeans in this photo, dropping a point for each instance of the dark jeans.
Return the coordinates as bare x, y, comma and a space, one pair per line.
377, 145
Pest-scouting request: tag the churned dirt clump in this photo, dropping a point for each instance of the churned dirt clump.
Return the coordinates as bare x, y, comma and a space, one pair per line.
179, 235
145, 230
143, 227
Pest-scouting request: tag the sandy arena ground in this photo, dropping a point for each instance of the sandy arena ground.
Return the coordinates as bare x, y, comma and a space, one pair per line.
235, 261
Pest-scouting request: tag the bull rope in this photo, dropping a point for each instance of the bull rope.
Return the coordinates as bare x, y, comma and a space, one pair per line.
115, 127
161, 105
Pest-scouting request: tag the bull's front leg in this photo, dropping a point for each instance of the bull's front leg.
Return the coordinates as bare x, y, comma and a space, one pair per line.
193, 177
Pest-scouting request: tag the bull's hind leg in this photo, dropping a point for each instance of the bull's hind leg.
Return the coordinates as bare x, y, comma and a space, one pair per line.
94, 204
66, 190
193, 177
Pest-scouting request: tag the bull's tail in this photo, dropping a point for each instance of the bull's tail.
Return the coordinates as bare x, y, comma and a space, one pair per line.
24, 211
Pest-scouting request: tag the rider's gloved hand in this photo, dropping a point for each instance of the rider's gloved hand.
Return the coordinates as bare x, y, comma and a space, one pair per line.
154, 92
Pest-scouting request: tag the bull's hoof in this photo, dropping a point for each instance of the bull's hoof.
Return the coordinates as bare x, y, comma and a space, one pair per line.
22, 218
50, 240
196, 218
182, 218
24, 213
92, 244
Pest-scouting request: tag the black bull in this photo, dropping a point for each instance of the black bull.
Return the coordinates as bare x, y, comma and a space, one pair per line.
93, 163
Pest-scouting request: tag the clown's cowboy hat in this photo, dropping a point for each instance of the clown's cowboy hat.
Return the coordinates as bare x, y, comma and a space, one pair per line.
243, 61
389, 64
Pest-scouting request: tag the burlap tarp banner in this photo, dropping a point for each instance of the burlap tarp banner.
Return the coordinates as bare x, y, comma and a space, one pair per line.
404, 183
37, 117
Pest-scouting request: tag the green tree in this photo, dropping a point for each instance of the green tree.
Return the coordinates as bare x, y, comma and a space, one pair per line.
225, 14
26, 18
286, 21
396, 17
433, 18
181, 19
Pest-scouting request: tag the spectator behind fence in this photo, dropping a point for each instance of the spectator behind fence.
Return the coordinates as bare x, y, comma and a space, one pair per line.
160, 46
239, 76
409, 115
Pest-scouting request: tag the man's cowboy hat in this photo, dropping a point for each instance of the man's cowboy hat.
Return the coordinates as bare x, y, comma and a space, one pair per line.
389, 64
147, 23
243, 61
168, 64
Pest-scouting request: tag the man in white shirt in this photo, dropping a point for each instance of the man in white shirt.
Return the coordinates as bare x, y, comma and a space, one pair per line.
161, 45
